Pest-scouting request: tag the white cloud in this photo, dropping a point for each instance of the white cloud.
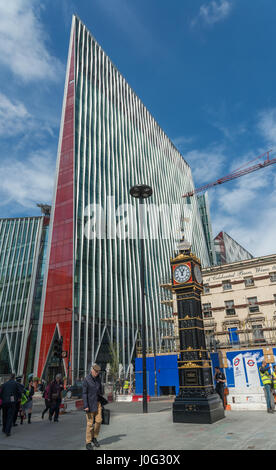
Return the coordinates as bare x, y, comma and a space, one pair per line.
14, 117
182, 141
244, 192
258, 237
27, 182
22, 42
267, 125
246, 210
207, 165
213, 12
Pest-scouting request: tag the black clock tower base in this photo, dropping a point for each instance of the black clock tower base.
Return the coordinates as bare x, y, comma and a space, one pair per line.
198, 410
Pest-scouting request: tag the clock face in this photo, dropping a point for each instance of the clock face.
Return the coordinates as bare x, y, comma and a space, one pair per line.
198, 274
182, 273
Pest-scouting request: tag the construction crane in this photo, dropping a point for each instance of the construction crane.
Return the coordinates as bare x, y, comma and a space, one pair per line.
237, 173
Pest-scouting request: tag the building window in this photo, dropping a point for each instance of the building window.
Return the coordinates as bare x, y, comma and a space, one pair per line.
211, 342
233, 335
226, 285
258, 334
275, 299
253, 304
229, 307
207, 310
272, 277
248, 281
206, 289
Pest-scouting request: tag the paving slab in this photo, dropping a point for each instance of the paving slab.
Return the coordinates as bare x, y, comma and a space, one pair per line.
130, 429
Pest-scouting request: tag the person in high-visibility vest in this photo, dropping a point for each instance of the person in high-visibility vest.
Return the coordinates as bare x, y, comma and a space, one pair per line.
126, 387
24, 400
274, 383
266, 379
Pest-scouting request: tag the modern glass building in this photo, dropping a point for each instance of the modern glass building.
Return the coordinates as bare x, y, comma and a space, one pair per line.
22, 257
204, 209
109, 142
228, 250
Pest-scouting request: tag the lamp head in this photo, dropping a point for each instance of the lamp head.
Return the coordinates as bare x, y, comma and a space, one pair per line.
141, 191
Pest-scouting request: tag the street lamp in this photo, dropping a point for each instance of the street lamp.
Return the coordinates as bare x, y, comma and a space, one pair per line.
69, 352
141, 192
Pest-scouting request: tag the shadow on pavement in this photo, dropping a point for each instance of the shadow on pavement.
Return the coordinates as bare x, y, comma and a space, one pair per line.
111, 439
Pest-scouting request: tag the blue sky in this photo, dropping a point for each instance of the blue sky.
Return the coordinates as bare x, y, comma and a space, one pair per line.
205, 69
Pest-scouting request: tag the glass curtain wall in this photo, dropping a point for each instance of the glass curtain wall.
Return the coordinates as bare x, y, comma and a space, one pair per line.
19, 251
119, 144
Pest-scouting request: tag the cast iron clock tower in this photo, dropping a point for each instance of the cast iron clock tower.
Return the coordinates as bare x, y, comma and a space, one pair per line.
197, 401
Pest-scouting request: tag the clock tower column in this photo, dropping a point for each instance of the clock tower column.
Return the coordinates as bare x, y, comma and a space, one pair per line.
197, 401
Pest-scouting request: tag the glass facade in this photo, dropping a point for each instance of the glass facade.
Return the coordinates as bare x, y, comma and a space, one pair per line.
20, 251
228, 250
204, 210
109, 142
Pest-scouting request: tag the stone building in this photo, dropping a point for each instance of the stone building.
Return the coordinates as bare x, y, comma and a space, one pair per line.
239, 303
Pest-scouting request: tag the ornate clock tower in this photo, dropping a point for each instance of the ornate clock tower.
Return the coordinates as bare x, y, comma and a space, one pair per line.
197, 401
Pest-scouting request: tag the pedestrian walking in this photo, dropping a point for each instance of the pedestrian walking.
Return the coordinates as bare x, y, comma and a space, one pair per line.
47, 400
27, 402
220, 381
9, 394
55, 397
42, 386
91, 389
266, 379
18, 403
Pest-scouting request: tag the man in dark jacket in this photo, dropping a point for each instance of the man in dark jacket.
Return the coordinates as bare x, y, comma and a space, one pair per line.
55, 397
91, 389
10, 394
220, 381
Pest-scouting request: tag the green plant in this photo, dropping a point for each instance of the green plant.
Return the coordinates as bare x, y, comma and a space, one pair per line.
114, 361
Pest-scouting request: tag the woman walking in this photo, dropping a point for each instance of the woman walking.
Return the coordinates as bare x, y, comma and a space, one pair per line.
55, 397
47, 401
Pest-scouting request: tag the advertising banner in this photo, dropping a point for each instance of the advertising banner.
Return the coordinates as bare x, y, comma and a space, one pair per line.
243, 368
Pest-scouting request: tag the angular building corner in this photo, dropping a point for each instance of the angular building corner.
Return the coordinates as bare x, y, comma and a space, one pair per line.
57, 296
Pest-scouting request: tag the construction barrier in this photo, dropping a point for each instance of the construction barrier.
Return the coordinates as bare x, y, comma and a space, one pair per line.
139, 398
130, 398
71, 405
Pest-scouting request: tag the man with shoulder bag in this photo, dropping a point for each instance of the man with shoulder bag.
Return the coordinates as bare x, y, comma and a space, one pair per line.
91, 393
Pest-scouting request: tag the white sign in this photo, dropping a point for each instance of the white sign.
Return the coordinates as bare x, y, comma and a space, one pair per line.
252, 371
239, 372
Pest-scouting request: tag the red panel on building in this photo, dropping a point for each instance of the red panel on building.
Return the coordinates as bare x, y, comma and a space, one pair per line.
59, 289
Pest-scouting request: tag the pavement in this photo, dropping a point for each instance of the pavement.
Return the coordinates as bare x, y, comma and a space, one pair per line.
131, 429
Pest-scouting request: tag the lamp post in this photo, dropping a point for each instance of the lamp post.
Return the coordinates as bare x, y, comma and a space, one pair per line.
141, 192
69, 352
